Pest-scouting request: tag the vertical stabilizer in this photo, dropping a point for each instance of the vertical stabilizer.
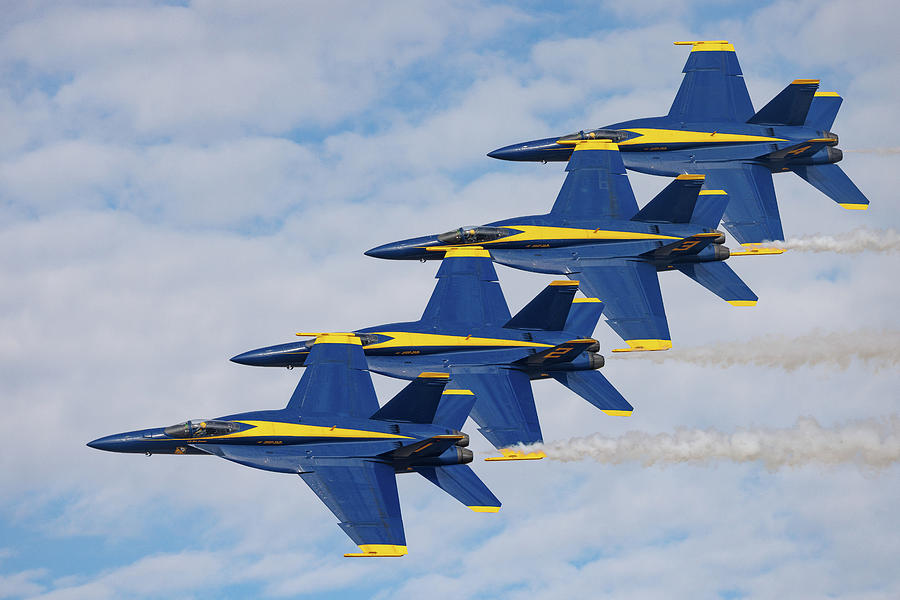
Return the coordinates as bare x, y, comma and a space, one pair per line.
548, 310
584, 316
790, 106
823, 110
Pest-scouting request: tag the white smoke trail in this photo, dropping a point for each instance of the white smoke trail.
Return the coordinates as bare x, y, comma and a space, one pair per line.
852, 242
836, 350
885, 151
871, 443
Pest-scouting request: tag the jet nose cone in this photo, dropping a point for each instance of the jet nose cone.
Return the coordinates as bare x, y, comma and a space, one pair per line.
110, 443
283, 355
251, 357
546, 149
506, 152
411, 249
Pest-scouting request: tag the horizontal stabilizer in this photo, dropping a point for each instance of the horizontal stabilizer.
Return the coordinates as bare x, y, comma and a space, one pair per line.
563, 353
584, 316
790, 106
462, 483
710, 207
417, 402
823, 110
834, 183
688, 246
548, 310
675, 204
718, 278
596, 389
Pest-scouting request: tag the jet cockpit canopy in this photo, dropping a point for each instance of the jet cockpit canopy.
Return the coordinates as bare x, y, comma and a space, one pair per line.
201, 428
613, 135
473, 235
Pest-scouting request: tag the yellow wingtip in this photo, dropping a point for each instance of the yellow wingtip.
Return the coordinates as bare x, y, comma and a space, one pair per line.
742, 302
618, 413
851, 206
509, 454
485, 509
645, 345
378, 550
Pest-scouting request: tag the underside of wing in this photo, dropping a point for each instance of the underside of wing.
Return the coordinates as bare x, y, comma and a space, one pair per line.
336, 381
467, 291
713, 87
596, 186
632, 301
362, 494
751, 215
504, 404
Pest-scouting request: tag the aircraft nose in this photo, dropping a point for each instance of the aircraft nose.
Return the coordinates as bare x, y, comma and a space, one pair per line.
546, 149
110, 443
411, 249
283, 355
506, 152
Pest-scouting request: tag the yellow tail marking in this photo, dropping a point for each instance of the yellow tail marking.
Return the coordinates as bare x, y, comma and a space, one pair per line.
564, 282
742, 302
850, 206
510, 454
487, 509
827, 94
802, 81
618, 413
713, 193
379, 550
689, 176
459, 392
580, 300
645, 345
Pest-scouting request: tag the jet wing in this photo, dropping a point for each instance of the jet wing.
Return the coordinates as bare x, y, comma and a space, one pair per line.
362, 494
335, 382
752, 212
467, 291
596, 187
713, 87
504, 404
632, 301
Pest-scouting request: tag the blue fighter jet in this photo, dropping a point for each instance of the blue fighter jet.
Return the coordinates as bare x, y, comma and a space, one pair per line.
712, 129
334, 435
467, 331
595, 234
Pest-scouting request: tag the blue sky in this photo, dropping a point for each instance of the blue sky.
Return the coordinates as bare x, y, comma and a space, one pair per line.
180, 182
